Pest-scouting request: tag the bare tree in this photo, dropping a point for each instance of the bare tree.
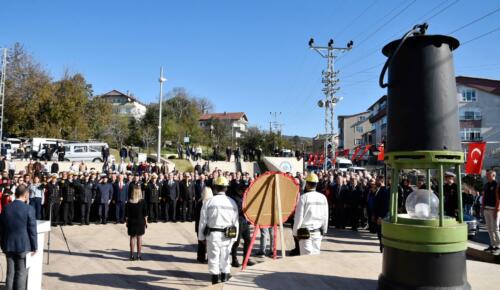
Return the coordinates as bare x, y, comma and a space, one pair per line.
148, 136
204, 105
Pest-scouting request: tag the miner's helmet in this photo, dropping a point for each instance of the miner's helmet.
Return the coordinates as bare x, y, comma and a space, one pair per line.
221, 181
312, 178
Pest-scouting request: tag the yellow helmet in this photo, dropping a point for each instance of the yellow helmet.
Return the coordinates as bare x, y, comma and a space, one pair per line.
221, 181
312, 177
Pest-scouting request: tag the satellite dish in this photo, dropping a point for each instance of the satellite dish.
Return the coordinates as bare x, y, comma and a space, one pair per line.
260, 201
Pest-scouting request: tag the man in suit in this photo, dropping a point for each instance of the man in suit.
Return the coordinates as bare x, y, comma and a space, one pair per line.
381, 207
19, 236
104, 192
186, 197
120, 197
170, 194
68, 193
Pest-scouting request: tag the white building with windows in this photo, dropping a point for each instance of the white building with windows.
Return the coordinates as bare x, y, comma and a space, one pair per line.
479, 113
125, 104
352, 128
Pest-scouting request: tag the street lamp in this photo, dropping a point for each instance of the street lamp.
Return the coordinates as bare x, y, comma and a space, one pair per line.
161, 80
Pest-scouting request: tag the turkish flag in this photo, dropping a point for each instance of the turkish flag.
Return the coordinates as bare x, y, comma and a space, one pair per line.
367, 147
380, 156
355, 153
475, 158
346, 153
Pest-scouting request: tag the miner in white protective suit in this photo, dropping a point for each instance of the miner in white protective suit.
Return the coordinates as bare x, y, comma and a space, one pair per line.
311, 218
219, 228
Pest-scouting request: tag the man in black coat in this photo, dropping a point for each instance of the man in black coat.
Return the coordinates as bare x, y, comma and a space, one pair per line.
54, 168
123, 153
339, 192
381, 207
86, 197
54, 197
68, 193
153, 190
354, 203
61, 151
186, 198
120, 197
169, 196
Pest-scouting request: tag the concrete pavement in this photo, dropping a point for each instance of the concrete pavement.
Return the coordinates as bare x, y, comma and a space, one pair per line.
99, 260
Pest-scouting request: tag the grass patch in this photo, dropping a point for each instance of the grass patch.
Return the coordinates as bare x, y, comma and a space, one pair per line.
182, 165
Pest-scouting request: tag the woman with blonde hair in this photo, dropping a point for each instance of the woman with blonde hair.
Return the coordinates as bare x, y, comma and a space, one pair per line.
136, 220
206, 194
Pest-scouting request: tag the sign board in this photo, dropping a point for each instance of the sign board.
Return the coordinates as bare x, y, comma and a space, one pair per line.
142, 157
186, 139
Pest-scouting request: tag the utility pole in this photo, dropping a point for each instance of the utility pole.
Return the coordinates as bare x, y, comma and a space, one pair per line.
330, 89
161, 80
2, 89
274, 124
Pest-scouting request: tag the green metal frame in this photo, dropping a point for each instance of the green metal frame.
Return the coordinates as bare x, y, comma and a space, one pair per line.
442, 235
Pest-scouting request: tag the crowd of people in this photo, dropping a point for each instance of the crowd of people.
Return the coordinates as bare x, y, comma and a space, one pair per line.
139, 193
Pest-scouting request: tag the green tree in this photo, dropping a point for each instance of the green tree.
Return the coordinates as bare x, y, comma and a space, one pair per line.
118, 130
98, 116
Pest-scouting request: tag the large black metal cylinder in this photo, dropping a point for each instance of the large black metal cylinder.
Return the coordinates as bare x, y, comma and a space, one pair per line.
422, 95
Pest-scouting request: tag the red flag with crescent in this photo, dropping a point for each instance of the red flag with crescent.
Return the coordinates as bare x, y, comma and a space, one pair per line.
346, 153
367, 147
355, 153
475, 158
380, 156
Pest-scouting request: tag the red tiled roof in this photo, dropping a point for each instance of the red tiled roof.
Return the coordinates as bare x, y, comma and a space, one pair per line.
114, 93
224, 116
487, 85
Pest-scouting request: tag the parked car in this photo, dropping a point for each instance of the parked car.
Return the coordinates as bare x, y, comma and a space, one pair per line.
356, 169
85, 152
472, 225
342, 164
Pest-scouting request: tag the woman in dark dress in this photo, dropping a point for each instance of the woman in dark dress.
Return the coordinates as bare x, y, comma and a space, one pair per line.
136, 219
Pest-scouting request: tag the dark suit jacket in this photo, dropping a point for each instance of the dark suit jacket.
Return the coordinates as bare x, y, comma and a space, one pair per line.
170, 191
120, 195
382, 200
198, 189
186, 192
104, 192
18, 228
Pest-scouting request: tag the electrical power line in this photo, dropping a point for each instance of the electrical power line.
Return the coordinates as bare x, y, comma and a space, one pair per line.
480, 36
475, 20
356, 18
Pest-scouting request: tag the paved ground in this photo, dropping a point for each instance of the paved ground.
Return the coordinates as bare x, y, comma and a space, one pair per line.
99, 260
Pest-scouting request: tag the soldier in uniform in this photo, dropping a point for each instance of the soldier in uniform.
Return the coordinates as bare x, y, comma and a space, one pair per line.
153, 190
311, 218
68, 194
218, 229
86, 197
54, 197
450, 192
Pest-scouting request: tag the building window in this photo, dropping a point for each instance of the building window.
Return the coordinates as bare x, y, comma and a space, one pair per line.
357, 142
361, 118
470, 134
469, 95
359, 129
469, 114
384, 120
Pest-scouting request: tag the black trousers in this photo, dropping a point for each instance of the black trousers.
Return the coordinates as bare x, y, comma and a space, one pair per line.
68, 212
54, 211
120, 211
17, 274
201, 255
338, 215
153, 211
187, 210
169, 210
244, 232
355, 215
85, 212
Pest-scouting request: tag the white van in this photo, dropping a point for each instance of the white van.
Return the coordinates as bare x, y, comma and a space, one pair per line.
85, 152
342, 164
356, 169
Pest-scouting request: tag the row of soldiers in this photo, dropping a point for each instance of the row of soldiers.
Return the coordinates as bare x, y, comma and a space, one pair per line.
68, 197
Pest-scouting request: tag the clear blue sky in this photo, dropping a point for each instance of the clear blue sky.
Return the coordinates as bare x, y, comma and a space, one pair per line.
249, 56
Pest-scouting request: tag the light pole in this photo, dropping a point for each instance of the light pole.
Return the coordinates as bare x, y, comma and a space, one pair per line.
161, 80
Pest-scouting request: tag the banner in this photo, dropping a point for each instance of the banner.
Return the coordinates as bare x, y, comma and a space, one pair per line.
346, 153
355, 153
380, 156
367, 148
475, 158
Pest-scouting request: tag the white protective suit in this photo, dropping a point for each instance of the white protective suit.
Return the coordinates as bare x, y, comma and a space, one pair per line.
218, 212
311, 213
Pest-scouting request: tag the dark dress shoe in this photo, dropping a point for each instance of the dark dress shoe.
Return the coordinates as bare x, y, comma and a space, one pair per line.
224, 277
250, 263
235, 263
215, 279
